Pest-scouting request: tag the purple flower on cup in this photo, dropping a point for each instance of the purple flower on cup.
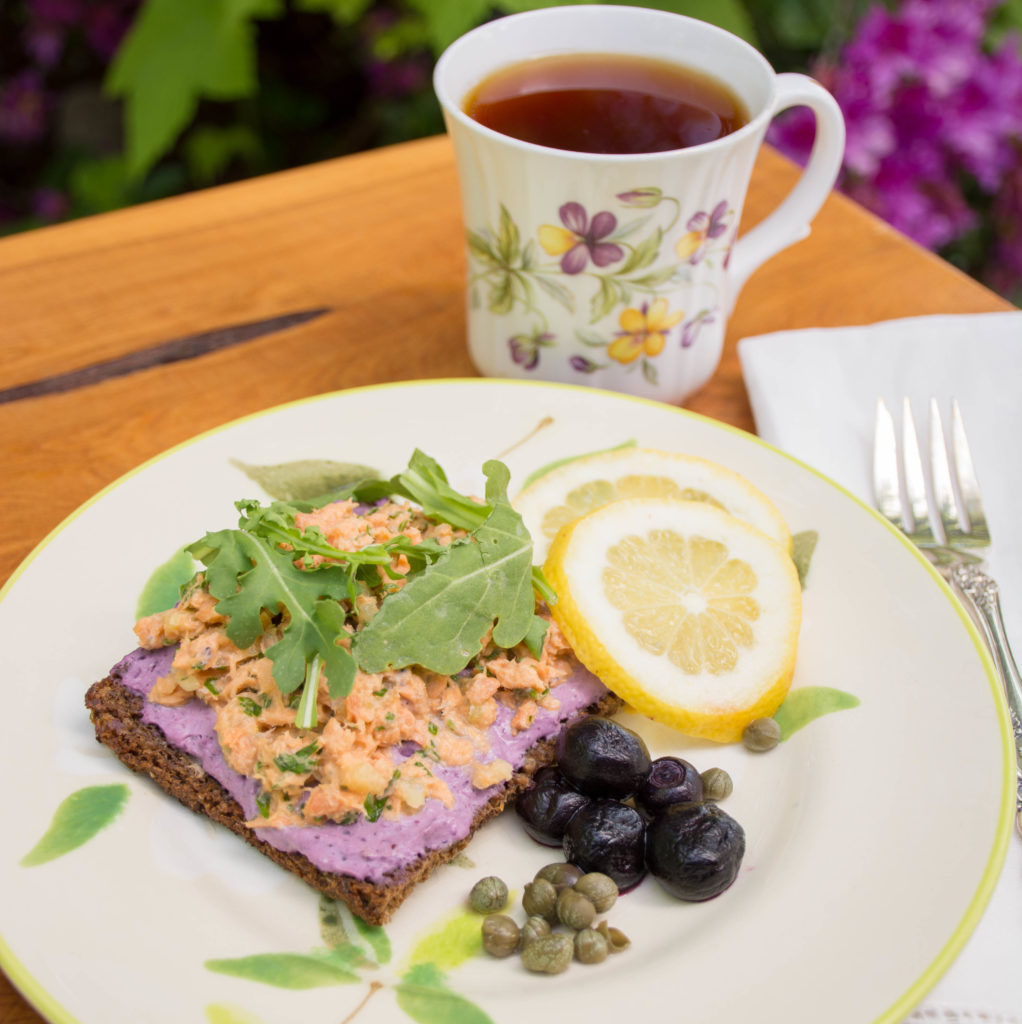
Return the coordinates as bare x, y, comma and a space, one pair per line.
641, 198
702, 228
525, 348
690, 328
580, 240
583, 365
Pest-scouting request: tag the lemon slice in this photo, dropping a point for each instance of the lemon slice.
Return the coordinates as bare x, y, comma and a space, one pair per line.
687, 613
569, 491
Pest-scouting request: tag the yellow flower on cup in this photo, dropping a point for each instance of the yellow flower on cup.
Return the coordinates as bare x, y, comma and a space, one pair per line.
702, 227
643, 331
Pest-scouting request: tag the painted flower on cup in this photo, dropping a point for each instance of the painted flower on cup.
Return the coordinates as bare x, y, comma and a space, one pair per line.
690, 329
525, 348
583, 364
643, 331
581, 240
702, 228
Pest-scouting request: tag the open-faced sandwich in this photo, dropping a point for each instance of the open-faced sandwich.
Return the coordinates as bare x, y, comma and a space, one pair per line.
353, 686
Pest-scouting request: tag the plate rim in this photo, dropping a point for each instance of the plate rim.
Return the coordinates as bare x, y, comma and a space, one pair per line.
44, 1003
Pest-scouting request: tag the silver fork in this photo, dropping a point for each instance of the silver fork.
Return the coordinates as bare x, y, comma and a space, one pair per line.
951, 541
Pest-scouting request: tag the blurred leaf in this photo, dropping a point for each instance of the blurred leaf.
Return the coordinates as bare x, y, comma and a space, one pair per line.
802, 24
445, 20
178, 52
1007, 17
344, 12
726, 14
209, 150
99, 184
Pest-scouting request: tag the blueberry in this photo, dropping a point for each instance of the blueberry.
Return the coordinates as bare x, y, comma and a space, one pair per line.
601, 758
548, 806
671, 780
694, 850
608, 836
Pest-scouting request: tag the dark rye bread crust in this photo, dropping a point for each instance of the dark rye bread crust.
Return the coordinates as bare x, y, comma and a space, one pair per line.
116, 714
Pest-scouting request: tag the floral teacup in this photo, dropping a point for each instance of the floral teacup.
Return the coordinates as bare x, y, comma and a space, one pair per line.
619, 271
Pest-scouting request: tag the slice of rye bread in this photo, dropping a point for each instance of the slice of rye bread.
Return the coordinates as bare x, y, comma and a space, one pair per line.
117, 717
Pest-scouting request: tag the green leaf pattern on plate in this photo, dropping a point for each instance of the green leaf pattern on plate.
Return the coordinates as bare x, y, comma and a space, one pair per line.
227, 1013
807, 703
78, 818
458, 938
305, 479
163, 588
292, 970
423, 994
802, 547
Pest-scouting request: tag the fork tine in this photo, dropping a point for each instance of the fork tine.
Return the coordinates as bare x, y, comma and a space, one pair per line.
940, 475
886, 489
915, 482
968, 486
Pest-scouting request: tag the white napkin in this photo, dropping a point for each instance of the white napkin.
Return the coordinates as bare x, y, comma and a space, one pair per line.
813, 393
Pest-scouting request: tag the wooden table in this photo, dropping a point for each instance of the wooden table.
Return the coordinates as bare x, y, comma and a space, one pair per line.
375, 238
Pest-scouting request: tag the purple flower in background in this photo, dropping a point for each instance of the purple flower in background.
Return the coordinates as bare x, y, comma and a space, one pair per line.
926, 106
580, 240
50, 204
23, 108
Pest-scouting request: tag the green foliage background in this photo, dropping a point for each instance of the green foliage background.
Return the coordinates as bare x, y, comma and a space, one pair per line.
208, 91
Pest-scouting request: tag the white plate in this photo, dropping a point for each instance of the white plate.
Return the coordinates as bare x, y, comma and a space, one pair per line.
875, 835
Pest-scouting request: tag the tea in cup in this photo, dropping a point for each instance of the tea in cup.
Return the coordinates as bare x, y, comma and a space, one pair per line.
604, 155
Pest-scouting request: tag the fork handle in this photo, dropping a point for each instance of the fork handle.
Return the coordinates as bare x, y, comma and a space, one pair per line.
982, 595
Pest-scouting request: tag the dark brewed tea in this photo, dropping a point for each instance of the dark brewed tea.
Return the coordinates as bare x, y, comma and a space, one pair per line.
606, 103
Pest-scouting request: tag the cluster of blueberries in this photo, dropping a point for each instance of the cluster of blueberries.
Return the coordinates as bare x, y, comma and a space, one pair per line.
613, 809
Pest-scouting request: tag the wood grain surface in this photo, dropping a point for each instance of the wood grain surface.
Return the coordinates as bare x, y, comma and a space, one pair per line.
374, 239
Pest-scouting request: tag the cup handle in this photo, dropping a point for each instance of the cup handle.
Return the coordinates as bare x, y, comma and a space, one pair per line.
789, 223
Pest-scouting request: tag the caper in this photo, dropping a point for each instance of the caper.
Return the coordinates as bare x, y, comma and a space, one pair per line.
599, 889
574, 910
761, 734
717, 784
560, 876
590, 946
549, 954
616, 939
540, 897
488, 895
533, 928
500, 935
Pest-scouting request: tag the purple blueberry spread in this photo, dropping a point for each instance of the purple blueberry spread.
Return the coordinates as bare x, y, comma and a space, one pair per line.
364, 849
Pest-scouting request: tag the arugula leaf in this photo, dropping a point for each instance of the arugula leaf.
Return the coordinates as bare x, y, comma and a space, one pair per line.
247, 575
438, 620
425, 483
536, 635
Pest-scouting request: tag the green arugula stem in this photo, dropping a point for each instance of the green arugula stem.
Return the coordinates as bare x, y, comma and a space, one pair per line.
307, 716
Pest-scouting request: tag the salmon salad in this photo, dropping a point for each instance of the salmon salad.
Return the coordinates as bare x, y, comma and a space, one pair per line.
379, 726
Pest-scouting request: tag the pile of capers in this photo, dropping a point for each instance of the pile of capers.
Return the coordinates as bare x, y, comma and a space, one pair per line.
561, 904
